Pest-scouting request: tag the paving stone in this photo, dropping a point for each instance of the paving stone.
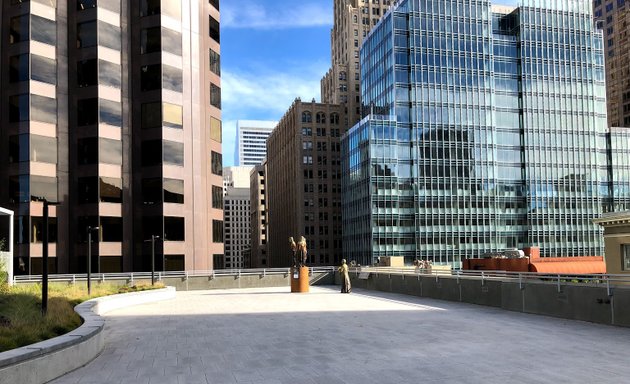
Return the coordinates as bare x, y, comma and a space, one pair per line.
271, 336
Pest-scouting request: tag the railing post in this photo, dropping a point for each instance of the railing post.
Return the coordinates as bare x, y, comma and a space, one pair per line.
520, 281
131, 278
458, 276
608, 291
559, 288
74, 279
483, 278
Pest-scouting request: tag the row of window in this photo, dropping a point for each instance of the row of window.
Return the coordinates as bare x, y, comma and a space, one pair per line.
320, 118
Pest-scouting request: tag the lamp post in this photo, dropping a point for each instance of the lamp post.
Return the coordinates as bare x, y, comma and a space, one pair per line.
153, 238
89, 260
47, 204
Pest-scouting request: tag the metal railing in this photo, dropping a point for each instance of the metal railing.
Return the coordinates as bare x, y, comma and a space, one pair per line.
160, 275
602, 280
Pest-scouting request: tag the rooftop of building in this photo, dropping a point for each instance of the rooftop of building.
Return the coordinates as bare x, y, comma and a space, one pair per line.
269, 335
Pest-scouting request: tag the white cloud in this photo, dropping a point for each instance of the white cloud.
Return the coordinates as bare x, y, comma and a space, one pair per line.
263, 94
252, 15
269, 92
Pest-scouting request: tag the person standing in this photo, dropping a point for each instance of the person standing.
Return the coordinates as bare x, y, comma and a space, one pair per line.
345, 278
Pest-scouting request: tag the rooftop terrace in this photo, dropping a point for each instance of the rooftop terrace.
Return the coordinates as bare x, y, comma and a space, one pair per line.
268, 335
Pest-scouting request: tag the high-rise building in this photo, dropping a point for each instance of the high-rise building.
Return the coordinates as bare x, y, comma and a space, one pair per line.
237, 226
113, 111
613, 18
258, 222
236, 177
237, 215
304, 183
487, 131
352, 21
251, 137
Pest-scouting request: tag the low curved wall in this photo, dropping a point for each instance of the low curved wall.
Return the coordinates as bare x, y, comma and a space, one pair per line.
45, 361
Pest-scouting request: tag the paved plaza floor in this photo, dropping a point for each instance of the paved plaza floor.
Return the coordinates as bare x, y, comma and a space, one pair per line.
273, 336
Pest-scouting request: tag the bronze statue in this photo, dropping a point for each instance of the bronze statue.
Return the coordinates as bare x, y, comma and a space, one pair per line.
293, 250
302, 252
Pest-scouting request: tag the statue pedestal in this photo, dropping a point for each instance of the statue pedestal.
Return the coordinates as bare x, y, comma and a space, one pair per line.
299, 280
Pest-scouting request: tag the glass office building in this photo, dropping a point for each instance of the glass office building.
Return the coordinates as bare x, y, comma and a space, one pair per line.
484, 129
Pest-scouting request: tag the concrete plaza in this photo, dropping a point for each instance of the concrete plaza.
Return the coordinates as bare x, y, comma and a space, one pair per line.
271, 336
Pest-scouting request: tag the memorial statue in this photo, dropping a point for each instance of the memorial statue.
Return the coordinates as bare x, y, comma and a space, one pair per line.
302, 252
293, 250
345, 278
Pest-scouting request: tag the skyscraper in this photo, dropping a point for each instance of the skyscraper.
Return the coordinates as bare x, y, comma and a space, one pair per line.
304, 183
484, 129
100, 118
353, 19
251, 136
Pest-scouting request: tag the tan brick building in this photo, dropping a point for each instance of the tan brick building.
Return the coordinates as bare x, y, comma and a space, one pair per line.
304, 183
353, 19
258, 221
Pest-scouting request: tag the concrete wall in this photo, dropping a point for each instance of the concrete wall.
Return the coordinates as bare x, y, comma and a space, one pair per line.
573, 301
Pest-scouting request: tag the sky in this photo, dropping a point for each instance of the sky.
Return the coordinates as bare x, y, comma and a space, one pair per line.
272, 51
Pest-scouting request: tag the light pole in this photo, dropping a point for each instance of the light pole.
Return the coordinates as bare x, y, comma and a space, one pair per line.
153, 238
47, 204
89, 260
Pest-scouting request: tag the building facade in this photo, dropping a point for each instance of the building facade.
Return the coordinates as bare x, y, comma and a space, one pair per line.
352, 21
485, 131
251, 137
97, 117
617, 238
236, 177
304, 183
613, 18
258, 221
237, 227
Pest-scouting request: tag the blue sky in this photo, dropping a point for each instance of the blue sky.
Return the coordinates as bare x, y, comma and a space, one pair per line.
272, 51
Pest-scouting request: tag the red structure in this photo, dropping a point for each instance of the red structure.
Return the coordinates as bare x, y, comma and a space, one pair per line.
534, 263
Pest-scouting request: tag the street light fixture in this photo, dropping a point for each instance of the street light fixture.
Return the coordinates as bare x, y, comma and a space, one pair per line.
89, 260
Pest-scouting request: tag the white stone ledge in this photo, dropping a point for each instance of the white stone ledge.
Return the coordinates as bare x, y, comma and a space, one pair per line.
45, 361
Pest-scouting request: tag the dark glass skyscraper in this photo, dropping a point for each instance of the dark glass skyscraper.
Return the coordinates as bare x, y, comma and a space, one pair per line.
484, 129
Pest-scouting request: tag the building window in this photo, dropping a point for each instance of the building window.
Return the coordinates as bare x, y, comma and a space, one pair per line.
625, 257
110, 151
87, 112
86, 34
172, 41
110, 112
217, 163
215, 31
217, 231
172, 78
149, 7
173, 116
217, 197
215, 96
87, 73
18, 68
215, 62
151, 77
88, 151
87, 190
173, 153
174, 191
150, 40
18, 30
215, 3
215, 130
111, 229
307, 117
110, 190
151, 115
174, 229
